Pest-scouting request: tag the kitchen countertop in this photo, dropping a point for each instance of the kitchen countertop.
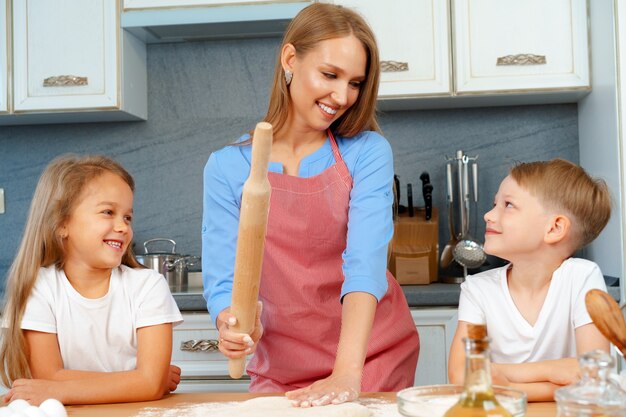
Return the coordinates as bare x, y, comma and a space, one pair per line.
432, 295
176, 400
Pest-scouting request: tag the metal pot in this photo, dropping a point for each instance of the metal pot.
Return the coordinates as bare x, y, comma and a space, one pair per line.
173, 266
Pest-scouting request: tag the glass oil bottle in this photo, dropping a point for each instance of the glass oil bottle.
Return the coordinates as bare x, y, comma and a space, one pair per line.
478, 398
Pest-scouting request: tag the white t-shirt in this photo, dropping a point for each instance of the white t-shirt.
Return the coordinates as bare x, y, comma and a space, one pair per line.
485, 299
100, 334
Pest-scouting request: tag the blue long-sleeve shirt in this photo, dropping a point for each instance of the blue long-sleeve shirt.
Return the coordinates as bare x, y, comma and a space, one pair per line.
369, 159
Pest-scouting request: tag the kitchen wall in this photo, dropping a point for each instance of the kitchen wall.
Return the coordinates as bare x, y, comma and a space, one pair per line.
204, 95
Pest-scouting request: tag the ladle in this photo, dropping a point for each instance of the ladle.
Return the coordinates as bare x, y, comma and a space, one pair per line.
607, 316
468, 252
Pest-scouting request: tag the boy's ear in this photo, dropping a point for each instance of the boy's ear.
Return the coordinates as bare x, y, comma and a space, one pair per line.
558, 228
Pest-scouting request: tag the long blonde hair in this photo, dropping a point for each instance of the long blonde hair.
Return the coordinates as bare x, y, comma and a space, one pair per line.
316, 23
57, 193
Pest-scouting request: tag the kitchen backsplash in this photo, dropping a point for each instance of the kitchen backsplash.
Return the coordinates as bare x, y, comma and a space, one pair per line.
204, 95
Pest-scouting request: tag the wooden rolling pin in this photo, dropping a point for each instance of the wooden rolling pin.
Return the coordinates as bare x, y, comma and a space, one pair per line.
255, 203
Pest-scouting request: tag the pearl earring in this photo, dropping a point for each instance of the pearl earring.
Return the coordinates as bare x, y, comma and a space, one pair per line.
288, 76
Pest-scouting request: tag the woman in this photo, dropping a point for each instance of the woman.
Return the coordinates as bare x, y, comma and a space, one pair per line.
334, 321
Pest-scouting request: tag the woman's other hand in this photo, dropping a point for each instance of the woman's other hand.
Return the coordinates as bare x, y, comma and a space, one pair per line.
235, 345
335, 389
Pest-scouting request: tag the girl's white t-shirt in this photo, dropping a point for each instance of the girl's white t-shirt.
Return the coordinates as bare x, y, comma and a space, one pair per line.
485, 299
100, 334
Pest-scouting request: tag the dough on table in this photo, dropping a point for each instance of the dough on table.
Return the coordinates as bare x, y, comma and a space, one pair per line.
282, 407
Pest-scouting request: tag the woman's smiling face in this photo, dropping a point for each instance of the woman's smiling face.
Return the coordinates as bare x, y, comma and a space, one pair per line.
326, 81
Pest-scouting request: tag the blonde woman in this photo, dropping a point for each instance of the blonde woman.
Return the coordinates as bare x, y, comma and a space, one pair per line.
334, 322
83, 323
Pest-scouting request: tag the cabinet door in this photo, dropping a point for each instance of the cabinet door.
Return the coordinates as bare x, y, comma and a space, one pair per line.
4, 57
66, 54
413, 38
436, 327
511, 45
195, 351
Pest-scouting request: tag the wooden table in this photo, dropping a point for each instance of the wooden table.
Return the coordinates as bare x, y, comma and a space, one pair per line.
173, 400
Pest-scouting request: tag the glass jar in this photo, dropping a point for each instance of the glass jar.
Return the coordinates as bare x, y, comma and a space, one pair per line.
595, 395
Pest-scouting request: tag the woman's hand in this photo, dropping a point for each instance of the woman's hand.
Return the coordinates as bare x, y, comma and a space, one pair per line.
236, 345
497, 376
35, 391
335, 389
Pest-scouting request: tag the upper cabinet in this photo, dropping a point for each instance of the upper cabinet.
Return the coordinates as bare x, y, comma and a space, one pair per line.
413, 38
72, 62
159, 21
4, 57
452, 53
511, 45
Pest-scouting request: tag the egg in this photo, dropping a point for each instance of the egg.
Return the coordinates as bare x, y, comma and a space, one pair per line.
6, 412
18, 405
33, 411
53, 408
18, 414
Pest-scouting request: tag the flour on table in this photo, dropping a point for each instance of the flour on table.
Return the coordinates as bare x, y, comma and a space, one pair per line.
275, 407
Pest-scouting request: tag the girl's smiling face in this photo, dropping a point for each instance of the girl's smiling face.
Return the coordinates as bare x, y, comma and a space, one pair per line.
326, 81
516, 225
99, 230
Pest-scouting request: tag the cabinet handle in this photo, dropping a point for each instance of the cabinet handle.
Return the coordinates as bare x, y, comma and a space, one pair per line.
521, 59
202, 345
65, 81
393, 66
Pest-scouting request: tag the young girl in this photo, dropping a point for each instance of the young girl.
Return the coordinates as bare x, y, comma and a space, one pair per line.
84, 323
334, 321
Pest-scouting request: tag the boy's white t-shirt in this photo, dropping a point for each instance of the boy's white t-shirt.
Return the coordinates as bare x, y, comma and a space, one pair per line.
100, 334
485, 299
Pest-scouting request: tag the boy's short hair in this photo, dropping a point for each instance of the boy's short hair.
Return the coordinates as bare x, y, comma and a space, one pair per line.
562, 185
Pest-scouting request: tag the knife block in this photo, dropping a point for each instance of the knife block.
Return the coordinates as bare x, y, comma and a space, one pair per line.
414, 248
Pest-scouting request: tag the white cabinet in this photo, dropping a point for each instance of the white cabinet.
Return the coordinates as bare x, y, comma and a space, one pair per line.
456, 53
195, 351
204, 368
159, 21
508, 45
413, 38
436, 327
72, 62
4, 56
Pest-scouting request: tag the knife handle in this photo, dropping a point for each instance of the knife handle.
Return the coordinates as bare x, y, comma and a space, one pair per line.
409, 196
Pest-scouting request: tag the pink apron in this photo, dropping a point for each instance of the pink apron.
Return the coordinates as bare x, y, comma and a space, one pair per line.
301, 285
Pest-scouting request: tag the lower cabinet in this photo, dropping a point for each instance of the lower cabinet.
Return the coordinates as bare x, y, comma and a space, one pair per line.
205, 369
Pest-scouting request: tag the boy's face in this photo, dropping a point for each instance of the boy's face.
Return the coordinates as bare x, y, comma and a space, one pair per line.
517, 223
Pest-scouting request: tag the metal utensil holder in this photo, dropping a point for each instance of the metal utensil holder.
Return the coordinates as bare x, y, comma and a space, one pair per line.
462, 163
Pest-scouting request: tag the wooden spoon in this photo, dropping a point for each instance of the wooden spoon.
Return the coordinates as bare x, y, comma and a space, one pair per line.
608, 318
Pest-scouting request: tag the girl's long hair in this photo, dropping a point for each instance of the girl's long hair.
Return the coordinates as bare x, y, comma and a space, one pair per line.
316, 23
57, 193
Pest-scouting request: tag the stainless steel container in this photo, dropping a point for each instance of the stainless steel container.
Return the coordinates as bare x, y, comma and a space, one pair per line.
173, 266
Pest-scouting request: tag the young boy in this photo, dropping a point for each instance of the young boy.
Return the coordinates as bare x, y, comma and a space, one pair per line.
534, 307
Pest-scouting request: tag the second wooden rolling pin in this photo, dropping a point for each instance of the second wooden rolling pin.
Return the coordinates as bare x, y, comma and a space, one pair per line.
255, 202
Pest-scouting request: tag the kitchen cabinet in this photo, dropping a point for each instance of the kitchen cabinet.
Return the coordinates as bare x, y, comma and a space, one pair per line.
4, 56
413, 37
205, 369
436, 327
72, 62
158, 21
195, 351
462, 53
508, 45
